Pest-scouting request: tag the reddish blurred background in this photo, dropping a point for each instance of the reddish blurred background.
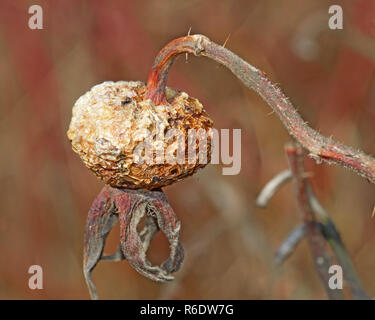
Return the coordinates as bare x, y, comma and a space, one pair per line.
46, 191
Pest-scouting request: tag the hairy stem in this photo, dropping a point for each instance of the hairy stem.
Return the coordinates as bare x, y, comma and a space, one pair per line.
321, 148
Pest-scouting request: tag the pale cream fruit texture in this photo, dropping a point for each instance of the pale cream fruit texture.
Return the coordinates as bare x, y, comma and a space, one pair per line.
112, 119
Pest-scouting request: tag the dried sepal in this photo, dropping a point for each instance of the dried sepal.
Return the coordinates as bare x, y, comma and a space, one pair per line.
101, 219
159, 215
131, 206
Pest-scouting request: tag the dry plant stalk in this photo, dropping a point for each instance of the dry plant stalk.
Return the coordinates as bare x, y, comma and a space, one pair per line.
324, 224
322, 259
318, 233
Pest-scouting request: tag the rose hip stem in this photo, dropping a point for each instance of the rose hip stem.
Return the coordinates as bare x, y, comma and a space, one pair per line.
320, 148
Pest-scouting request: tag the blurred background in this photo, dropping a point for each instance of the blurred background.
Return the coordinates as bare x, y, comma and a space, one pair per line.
46, 191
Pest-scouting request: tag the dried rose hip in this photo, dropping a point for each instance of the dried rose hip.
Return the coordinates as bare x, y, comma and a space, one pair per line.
114, 118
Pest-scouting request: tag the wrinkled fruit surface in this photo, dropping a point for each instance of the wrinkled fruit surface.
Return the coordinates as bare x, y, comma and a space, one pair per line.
113, 119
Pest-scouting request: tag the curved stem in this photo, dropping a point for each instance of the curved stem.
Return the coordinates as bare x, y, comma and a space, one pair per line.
321, 148
159, 73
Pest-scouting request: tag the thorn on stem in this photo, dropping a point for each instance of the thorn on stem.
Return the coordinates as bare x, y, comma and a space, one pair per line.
186, 54
226, 40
